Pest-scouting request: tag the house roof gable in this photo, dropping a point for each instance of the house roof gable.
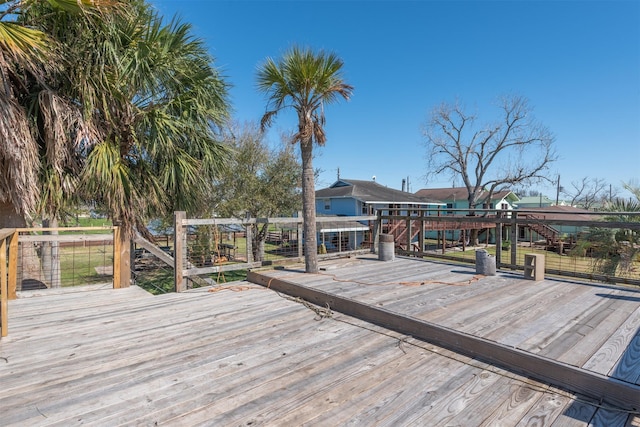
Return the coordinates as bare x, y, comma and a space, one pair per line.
372, 192
461, 193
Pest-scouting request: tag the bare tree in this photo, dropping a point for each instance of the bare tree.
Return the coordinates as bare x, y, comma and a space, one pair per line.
517, 149
590, 191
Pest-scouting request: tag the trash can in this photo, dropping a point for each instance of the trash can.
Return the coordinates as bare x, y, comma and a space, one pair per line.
386, 247
485, 263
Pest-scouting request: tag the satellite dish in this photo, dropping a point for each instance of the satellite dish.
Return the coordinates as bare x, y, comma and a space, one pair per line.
373, 177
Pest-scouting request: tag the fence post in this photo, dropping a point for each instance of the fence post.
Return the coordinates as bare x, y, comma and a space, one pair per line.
421, 232
498, 239
4, 289
377, 227
248, 235
179, 250
409, 230
514, 239
13, 266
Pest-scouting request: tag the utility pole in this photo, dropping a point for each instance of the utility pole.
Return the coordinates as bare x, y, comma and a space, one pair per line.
558, 191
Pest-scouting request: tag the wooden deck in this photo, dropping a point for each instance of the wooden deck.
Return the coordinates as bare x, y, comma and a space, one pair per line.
248, 355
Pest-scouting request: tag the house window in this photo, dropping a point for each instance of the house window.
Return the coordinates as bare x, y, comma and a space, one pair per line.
327, 204
449, 206
504, 206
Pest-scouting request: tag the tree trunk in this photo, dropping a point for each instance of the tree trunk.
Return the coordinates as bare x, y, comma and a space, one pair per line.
309, 207
29, 270
51, 257
258, 250
473, 233
259, 235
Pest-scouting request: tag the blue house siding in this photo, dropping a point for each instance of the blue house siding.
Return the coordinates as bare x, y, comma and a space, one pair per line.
338, 206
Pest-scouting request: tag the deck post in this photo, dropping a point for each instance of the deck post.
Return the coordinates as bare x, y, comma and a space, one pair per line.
513, 232
377, 229
498, 240
421, 231
179, 250
409, 230
4, 289
13, 266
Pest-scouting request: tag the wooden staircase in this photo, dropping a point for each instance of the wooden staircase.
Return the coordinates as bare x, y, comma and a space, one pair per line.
399, 231
550, 234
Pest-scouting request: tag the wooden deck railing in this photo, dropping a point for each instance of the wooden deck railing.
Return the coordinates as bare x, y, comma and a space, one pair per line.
7, 269
507, 224
12, 238
184, 270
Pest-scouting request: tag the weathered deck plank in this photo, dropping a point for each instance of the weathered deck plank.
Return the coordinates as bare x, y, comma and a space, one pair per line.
237, 358
606, 357
598, 334
555, 317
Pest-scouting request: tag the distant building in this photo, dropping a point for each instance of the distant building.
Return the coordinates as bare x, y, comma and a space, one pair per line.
457, 198
351, 197
534, 202
538, 202
355, 197
536, 231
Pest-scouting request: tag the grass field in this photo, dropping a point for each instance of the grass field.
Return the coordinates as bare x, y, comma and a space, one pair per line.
553, 260
86, 265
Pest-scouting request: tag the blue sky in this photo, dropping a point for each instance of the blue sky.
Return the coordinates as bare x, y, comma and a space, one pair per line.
578, 63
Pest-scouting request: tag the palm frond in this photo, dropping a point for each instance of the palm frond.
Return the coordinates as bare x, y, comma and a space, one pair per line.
18, 157
306, 80
28, 47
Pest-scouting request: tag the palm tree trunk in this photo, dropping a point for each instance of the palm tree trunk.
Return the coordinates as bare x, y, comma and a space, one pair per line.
309, 207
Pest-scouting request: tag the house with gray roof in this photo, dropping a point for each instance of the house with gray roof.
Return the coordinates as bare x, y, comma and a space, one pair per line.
352, 197
356, 197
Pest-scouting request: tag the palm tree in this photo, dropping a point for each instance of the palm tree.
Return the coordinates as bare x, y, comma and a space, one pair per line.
127, 119
28, 56
167, 103
144, 141
35, 120
304, 81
